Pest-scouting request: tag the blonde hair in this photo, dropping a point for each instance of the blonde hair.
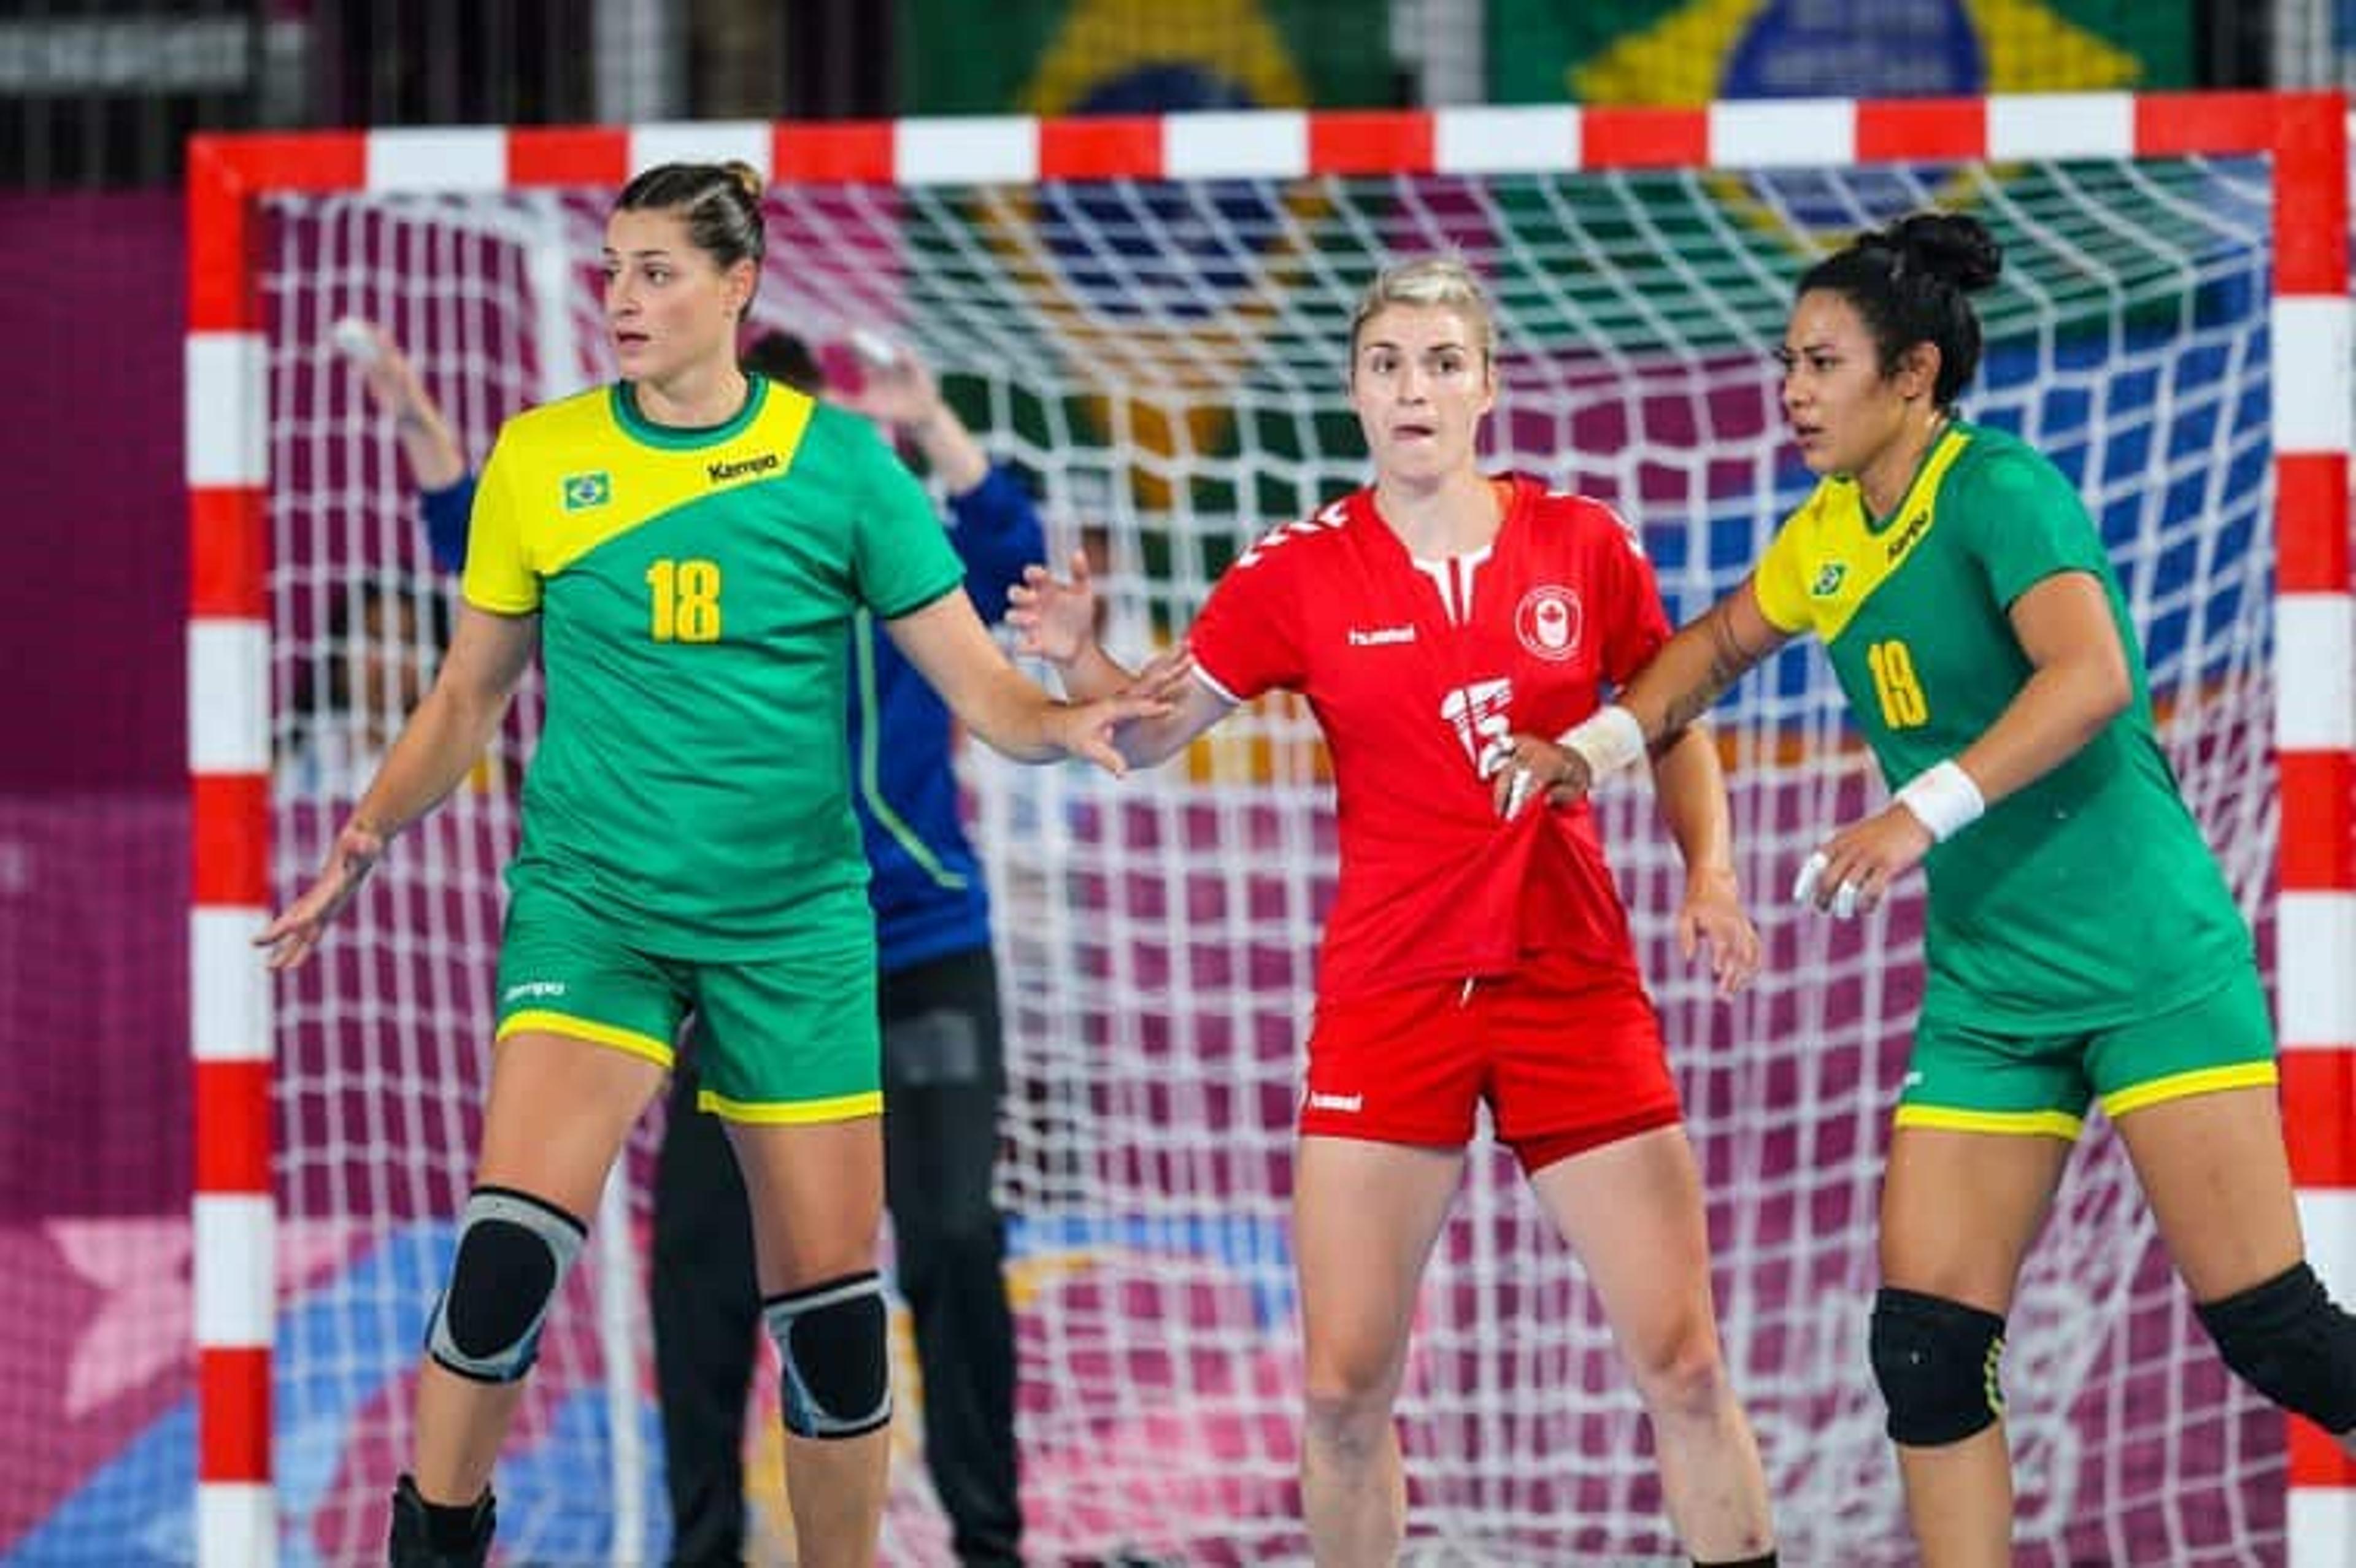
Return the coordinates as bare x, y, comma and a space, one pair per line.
1444, 281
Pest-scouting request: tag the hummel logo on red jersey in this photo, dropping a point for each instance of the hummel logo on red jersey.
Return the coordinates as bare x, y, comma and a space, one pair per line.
1350, 1104
1380, 637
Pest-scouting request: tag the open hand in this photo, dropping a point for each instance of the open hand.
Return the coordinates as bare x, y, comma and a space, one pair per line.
296, 930
900, 392
1169, 674
1085, 730
1711, 924
1054, 618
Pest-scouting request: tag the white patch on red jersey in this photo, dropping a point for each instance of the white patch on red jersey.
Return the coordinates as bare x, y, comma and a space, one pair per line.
1479, 713
1548, 622
1332, 516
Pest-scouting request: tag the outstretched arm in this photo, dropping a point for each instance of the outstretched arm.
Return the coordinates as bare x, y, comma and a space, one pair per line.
447, 491
1697, 666
1057, 621
1679, 684
947, 644
393, 385
435, 750
902, 392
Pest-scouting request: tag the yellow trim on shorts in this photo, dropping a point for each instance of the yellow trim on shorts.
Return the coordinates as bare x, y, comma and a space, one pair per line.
2011, 1123
658, 1052
838, 1108
2181, 1085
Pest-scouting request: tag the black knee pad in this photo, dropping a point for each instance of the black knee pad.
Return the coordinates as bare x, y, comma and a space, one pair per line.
1936, 1362
2292, 1344
513, 1252
837, 1378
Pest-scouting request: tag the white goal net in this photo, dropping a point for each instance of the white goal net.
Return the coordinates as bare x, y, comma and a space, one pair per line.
1164, 361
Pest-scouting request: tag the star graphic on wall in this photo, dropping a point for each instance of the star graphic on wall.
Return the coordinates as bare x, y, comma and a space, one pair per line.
139, 1329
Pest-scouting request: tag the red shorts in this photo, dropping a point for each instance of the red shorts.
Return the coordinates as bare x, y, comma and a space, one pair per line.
1567, 1059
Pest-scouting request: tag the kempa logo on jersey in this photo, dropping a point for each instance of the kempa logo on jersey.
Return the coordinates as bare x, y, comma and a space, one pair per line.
722, 471
538, 990
1380, 637
1909, 534
1548, 621
582, 491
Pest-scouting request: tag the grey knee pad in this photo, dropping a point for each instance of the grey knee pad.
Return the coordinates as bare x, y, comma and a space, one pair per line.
2292, 1344
1936, 1362
838, 1381
513, 1252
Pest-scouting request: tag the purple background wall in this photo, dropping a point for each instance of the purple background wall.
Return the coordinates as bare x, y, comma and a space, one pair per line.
93, 559
93, 835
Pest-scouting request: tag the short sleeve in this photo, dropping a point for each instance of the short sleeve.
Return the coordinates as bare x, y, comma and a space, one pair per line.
1639, 622
1247, 639
901, 557
1780, 583
2025, 522
500, 575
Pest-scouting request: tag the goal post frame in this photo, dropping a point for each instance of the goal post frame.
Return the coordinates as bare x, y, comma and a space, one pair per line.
230, 1021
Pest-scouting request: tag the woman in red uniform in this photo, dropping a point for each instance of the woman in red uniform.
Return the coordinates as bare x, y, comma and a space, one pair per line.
1468, 956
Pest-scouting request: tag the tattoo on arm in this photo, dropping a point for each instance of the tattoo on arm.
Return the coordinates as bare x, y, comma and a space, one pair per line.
1728, 661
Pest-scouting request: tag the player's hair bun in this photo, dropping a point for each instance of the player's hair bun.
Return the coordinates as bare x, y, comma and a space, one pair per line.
748, 178
1953, 246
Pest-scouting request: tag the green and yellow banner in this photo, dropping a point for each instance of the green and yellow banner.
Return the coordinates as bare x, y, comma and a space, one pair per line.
1139, 57
1695, 51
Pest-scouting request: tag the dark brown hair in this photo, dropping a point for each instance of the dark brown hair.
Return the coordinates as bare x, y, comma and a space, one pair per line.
1908, 283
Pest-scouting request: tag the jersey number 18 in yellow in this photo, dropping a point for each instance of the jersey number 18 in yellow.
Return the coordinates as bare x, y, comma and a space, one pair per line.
684, 596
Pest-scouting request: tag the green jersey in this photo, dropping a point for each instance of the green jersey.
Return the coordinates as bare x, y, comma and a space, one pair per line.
2086, 899
694, 588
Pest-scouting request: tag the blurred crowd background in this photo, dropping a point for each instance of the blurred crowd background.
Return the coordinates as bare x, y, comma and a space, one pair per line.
99, 94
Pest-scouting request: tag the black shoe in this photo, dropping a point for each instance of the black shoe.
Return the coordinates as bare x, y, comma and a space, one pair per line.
412, 1543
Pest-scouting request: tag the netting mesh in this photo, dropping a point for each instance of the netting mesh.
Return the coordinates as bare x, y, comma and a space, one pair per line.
1165, 361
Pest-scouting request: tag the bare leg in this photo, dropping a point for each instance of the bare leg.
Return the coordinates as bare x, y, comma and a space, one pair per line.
2217, 1176
1365, 1216
1959, 1496
2218, 1181
1632, 1212
817, 1192
557, 1112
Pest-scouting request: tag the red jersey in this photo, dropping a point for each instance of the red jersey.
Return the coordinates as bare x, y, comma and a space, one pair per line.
1411, 667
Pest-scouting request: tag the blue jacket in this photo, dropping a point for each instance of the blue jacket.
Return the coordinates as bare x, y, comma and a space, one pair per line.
927, 890
930, 900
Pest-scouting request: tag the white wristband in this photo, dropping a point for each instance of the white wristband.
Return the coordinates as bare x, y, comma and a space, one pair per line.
1608, 740
1944, 799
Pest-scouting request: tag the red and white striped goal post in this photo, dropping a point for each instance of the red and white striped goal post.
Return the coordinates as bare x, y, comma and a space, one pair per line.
2304, 134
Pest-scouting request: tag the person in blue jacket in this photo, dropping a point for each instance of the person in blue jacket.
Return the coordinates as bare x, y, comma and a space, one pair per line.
437, 467
944, 1057
943, 1051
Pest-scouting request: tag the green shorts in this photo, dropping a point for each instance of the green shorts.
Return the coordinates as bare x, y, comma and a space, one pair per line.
2041, 1083
790, 1039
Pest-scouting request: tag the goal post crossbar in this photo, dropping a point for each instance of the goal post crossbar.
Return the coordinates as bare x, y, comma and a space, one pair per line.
2305, 136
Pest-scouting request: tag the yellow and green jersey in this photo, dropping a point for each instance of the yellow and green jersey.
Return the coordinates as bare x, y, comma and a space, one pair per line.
694, 588
2087, 898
